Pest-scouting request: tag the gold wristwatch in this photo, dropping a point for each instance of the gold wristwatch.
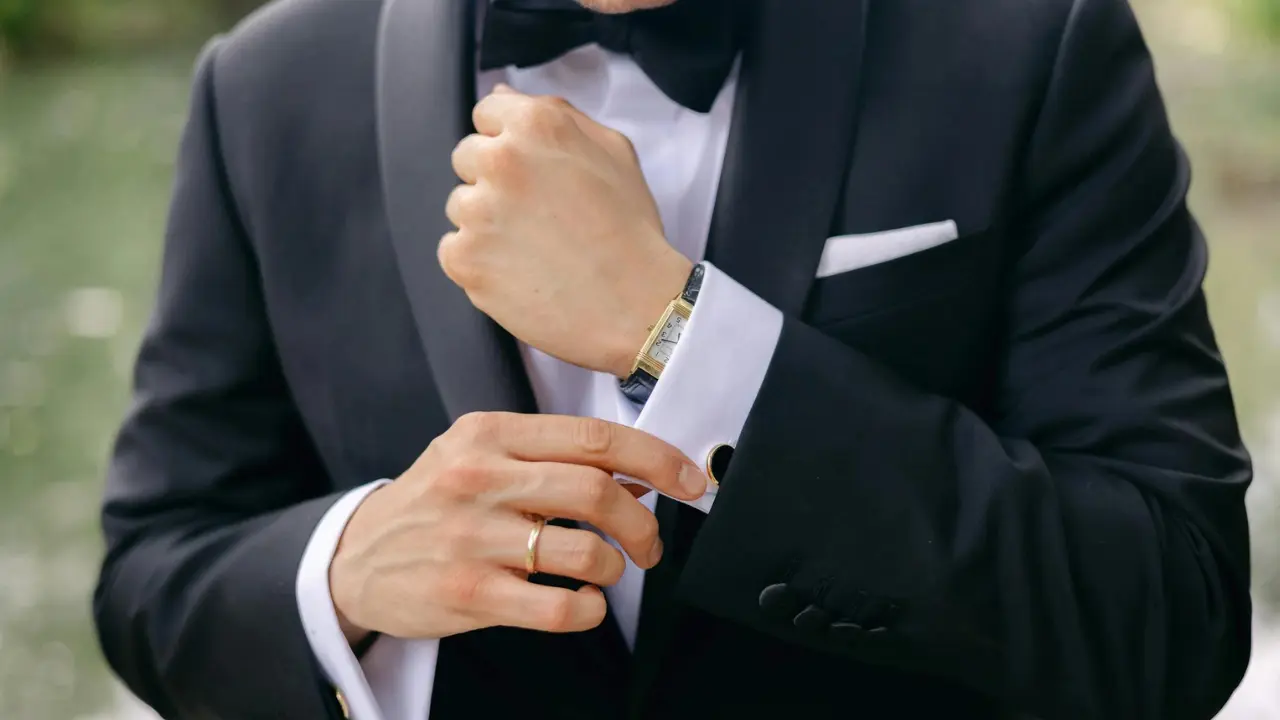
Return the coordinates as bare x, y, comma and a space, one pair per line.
661, 344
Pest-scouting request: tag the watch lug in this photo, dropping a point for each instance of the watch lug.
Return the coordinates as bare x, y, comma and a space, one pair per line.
649, 365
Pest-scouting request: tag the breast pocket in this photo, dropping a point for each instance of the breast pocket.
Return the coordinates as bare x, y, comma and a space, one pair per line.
862, 275
929, 314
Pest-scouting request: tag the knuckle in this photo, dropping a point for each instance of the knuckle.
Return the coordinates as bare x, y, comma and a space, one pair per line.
456, 205
584, 557
464, 586
559, 612
479, 112
613, 569
453, 254
469, 203
470, 422
464, 477
503, 159
592, 610
459, 154
623, 143
593, 436
477, 428
598, 492
426, 460
544, 114
647, 530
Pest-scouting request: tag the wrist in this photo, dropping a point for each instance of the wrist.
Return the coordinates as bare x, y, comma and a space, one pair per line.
344, 576
355, 633
357, 637
667, 281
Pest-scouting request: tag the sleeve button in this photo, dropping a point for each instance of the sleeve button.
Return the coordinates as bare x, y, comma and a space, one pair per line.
779, 602
846, 632
813, 619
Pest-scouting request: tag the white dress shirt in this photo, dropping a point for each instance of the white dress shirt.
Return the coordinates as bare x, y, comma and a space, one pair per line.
702, 399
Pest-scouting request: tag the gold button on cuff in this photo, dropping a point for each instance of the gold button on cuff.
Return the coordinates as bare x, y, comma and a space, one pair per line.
342, 703
718, 462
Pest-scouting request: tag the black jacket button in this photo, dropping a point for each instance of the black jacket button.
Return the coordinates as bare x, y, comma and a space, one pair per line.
878, 615
780, 602
813, 619
846, 632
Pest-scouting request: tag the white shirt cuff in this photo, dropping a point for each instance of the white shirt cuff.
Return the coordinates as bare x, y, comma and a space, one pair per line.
708, 389
395, 679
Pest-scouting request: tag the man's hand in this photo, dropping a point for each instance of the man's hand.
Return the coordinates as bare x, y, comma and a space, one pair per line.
559, 239
442, 550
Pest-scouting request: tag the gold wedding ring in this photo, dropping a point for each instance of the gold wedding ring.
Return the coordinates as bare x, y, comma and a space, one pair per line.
531, 554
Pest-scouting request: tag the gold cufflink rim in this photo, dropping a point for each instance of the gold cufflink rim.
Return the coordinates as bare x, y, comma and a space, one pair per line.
715, 481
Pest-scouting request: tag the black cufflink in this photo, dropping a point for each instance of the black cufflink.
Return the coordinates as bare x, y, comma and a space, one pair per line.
780, 602
718, 462
813, 620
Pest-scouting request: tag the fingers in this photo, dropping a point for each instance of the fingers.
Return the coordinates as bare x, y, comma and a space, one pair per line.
596, 443
592, 129
567, 552
468, 157
506, 109
466, 206
591, 495
512, 602
545, 117
494, 112
494, 597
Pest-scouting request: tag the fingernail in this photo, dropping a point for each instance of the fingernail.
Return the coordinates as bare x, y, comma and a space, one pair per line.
693, 481
656, 554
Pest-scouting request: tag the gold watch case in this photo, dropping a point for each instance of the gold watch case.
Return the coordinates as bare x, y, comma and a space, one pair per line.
644, 360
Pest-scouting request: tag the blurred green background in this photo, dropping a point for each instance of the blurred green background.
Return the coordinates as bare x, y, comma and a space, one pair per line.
92, 97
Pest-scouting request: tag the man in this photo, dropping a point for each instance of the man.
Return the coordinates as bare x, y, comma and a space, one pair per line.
897, 304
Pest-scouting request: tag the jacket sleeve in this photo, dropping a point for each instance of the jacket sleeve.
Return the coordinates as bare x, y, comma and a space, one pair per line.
214, 488
1081, 551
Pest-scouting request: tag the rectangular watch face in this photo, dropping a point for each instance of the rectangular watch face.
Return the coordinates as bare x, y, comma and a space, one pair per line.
668, 336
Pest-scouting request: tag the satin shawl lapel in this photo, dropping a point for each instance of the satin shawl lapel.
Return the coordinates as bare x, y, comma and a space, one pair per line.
794, 124
425, 92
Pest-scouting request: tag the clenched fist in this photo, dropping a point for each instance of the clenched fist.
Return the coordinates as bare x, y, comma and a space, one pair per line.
441, 550
559, 239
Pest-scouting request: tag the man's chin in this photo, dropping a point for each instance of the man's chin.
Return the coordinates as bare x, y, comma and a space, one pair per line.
623, 6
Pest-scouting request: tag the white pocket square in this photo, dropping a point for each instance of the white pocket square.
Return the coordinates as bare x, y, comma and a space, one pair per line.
851, 252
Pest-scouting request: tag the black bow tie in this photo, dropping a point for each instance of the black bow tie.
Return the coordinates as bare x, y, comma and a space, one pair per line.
687, 48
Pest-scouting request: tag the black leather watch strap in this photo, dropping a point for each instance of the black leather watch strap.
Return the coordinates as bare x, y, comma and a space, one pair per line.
639, 386
694, 285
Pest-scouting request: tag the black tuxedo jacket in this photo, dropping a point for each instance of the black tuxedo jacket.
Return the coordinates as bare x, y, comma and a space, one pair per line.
999, 477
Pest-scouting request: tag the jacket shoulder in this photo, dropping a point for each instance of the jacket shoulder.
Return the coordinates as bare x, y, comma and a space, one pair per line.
290, 94
291, 51
1002, 30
